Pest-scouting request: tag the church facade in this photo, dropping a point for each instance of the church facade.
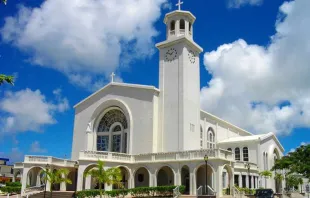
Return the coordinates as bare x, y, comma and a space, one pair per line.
160, 136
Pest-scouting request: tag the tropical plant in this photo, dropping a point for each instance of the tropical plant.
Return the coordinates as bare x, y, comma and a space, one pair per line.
295, 162
111, 176
5, 78
55, 177
293, 181
278, 178
266, 174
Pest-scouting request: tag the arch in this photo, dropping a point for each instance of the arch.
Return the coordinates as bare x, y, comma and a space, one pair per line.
237, 154
142, 177
112, 130
202, 176
89, 182
165, 176
185, 178
182, 24
211, 138
245, 154
172, 25
227, 179
72, 176
35, 176
125, 172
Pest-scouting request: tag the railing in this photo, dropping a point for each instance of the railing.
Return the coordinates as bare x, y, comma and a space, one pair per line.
156, 157
241, 164
176, 192
211, 191
48, 160
199, 191
18, 165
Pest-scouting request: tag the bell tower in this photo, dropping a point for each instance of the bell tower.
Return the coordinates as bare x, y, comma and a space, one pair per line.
179, 83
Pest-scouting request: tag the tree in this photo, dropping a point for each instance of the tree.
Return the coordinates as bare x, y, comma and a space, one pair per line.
279, 178
110, 176
292, 181
266, 174
56, 177
5, 78
295, 162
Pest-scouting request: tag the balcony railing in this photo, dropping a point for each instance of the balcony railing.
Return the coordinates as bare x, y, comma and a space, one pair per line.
241, 164
156, 157
18, 165
48, 160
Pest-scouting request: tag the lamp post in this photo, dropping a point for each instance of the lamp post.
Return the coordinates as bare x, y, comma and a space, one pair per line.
76, 166
206, 157
46, 168
248, 166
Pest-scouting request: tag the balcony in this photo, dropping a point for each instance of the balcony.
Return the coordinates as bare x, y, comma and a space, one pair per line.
48, 160
156, 157
241, 165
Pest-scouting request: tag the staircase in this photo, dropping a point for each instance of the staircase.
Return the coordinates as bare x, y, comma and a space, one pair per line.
56, 194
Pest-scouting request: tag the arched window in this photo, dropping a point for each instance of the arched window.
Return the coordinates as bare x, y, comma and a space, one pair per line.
245, 154
211, 138
112, 132
237, 154
172, 26
182, 24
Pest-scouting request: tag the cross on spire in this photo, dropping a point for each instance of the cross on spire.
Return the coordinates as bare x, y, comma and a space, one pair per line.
179, 4
112, 77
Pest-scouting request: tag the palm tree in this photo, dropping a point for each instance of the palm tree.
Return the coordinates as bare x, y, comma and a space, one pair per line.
56, 177
266, 174
5, 78
110, 176
279, 178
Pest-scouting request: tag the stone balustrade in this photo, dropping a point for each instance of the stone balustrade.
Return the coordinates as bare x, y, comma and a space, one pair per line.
156, 157
48, 160
241, 165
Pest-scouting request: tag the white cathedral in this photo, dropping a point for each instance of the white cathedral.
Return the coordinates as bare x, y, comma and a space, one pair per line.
160, 136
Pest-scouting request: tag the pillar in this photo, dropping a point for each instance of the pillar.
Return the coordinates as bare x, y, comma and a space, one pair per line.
24, 180
63, 186
240, 180
38, 180
218, 181
80, 179
88, 182
247, 181
192, 185
252, 182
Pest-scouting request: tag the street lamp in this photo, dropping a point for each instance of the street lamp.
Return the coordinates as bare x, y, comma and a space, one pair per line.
46, 169
206, 157
248, 166
76, 166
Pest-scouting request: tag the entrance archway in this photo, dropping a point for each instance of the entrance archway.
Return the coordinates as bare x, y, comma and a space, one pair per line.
185, 178
227, 180
35, 177
142, 177
165, 176
125, 178
201, 178
89, 182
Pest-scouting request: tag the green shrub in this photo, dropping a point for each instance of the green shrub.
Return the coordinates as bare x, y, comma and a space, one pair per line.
159, 191
11, 189
16, 184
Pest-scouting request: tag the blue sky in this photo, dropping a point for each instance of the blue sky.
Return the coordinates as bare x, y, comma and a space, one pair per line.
255, 52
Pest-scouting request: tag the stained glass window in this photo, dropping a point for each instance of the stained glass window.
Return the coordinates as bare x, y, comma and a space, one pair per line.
116, 143
110, 118
103, 143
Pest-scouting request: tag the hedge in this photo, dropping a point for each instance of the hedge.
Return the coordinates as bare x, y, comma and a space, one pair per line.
15, 184
159, 191
11, 189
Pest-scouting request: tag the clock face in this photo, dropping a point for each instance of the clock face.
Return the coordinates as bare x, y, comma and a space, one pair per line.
171, 54
192, 56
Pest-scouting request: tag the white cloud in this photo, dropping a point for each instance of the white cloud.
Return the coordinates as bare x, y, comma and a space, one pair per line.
264, 88
36, 148
28, 110
240, 3
85, 39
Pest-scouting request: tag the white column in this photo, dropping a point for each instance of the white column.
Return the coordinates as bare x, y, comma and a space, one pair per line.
192, 186
218, 181
108, 187
240, 180
63, 186
252, 182
24, 179
80, 179
38, 181
88, 182
247, 180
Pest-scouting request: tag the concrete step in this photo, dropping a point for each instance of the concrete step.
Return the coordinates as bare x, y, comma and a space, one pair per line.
55, 194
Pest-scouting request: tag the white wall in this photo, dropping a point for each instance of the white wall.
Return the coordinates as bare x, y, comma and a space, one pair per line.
140, 109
